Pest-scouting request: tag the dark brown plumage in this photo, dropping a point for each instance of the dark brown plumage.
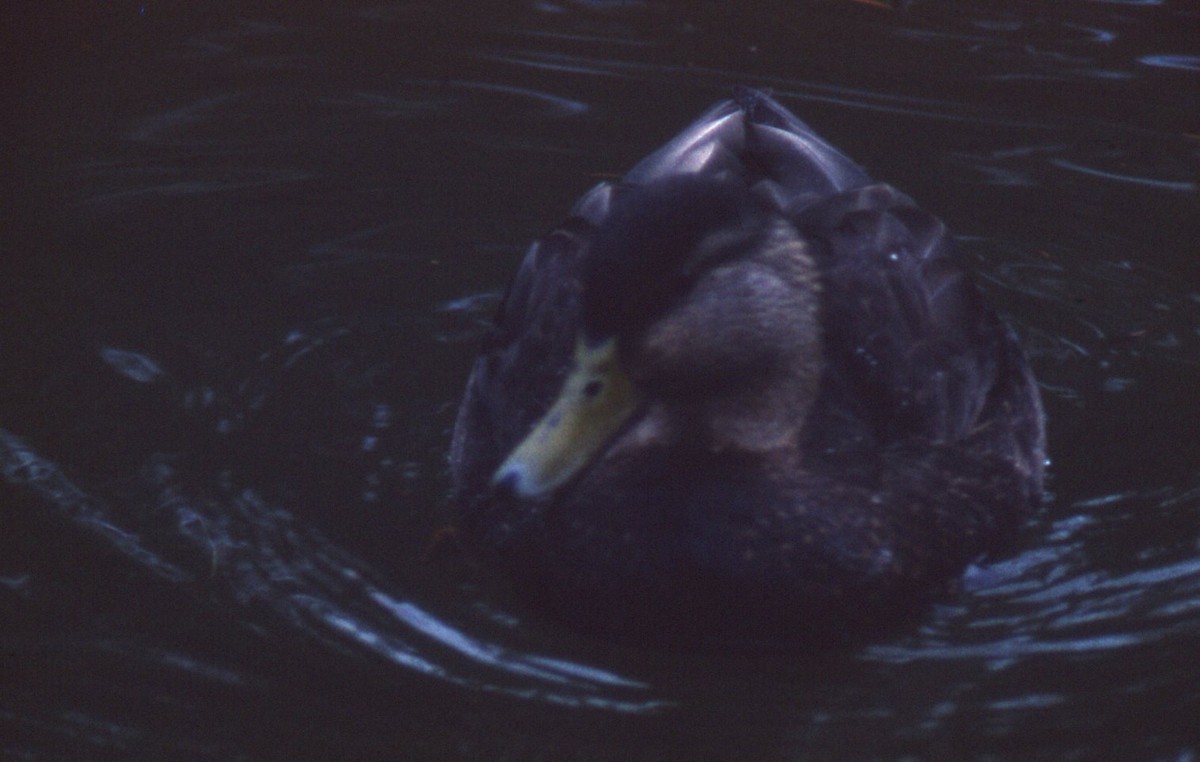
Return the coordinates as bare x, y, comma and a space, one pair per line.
744, 395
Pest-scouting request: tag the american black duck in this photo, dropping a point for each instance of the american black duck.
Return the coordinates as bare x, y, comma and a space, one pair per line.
745, 394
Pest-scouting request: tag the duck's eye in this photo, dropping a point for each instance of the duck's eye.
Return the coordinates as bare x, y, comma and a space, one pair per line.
592, 388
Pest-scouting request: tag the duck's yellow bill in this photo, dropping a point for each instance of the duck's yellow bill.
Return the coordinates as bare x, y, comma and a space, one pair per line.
596, 399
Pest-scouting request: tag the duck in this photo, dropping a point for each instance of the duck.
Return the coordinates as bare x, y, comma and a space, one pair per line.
744, 395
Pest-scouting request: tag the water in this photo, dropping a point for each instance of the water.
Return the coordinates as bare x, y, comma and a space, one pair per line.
246, 255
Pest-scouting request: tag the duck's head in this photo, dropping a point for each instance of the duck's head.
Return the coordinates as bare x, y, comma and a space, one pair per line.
700, 327
699, 331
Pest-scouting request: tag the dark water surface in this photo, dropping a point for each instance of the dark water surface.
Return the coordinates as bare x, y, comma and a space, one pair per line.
245, 256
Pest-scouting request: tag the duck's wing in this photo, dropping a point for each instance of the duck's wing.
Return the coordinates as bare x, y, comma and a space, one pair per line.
914, 353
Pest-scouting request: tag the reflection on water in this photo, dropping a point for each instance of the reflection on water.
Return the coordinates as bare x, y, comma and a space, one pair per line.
249, 267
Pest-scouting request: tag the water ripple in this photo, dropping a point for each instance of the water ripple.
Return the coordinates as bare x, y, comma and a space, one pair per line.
132, 365
1174, 185
1054, 599
558, 104
1184, 62
21, 466
533, 62
279, 570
